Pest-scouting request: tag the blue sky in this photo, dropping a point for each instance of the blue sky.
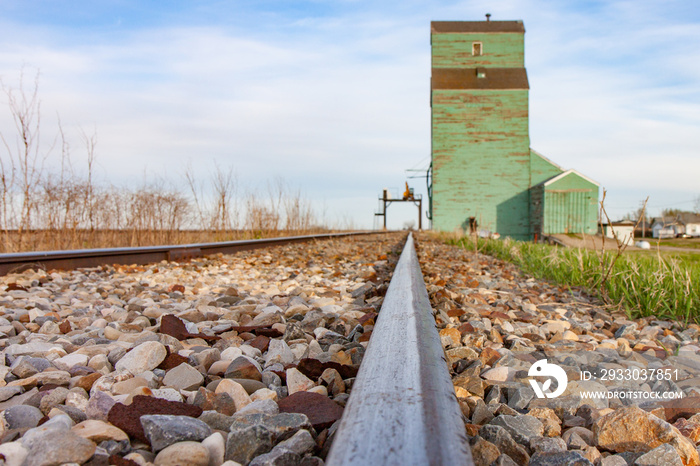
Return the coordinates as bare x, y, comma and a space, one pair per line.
333, 96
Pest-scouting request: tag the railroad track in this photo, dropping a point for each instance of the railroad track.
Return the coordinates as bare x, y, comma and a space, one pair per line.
301, 319
73, 259
402, 396
403, 409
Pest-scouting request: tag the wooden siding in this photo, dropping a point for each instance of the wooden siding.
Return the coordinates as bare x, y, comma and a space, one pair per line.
542, 169
499, 50
537, 210
481, 158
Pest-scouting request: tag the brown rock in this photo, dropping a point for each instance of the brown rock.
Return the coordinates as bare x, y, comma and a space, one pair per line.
633, 429
86, 382
219, 402
321, 410
533, 337
489, 356
332, 379
465, 328
550, 421
450, 337
242, 368
260, 342
15, 287
472, 429
128, 418
689, 427
483, 451
495, 336
65, 327
473, 384
258, 330
175, 327
313, 368
177, 287
684, 407
98, 431
117, 460
127, 386
368, 318
172, 360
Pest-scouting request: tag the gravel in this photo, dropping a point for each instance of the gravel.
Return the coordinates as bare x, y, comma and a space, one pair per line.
190, 361
509, 321
250, 358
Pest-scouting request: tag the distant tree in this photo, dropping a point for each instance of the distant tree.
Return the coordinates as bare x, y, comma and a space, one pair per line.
696, 206
639, 214
671, 212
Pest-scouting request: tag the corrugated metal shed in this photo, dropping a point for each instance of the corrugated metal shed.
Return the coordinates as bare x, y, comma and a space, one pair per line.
566, 203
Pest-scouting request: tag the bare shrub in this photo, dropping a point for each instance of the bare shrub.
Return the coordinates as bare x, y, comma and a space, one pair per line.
52, 204
22, 162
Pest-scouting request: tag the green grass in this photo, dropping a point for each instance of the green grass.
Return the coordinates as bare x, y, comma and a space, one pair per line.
645, 283
680, 243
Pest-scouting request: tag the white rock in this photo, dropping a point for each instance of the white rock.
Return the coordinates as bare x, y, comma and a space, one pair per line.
183, 377
264, 394
76, 400
112, 333
70, 360
298, 382
145, 357
314, 349
169, 394
231, 353
183, 454
216, 445
251, 351
320, 389
14, 453
278, 352
299, 350
34, 348
236, 392
497, 374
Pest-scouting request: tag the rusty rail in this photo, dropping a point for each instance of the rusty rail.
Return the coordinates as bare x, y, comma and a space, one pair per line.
72, 259
403, 409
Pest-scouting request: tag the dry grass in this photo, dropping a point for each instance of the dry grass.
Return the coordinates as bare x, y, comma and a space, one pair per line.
46, 203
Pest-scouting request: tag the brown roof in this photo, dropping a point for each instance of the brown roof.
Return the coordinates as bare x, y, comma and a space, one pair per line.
466, 78
442, 27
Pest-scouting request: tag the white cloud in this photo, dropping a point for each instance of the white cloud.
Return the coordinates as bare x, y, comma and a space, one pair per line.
339, 102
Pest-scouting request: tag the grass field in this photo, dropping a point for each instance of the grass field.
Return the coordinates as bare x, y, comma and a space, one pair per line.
644, 283
693, 243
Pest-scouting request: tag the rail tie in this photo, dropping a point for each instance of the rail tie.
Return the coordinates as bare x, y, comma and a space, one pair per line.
403, 409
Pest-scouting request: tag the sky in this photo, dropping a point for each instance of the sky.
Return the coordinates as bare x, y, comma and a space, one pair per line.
332, 96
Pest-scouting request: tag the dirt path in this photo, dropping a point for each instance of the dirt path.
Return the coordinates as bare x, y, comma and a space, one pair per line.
595, 242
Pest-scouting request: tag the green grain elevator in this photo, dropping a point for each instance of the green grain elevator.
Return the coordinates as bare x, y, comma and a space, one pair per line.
482, 166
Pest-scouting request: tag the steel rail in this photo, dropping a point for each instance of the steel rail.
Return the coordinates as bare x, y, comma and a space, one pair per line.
403, 409
71, 259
